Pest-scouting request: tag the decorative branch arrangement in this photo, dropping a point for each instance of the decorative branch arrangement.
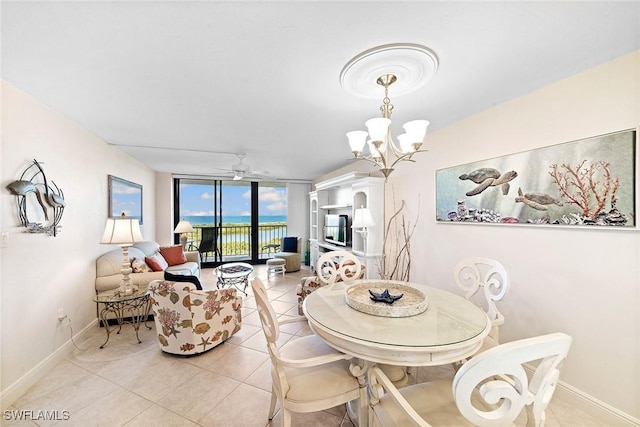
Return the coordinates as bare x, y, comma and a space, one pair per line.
396, 256
50, 197
589, 188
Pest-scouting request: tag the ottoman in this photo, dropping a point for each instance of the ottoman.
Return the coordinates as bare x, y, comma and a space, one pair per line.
275, 265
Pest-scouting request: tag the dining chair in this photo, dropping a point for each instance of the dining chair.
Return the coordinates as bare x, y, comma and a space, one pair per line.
489, 390
331, 267
307, 375
473, 274
338, 266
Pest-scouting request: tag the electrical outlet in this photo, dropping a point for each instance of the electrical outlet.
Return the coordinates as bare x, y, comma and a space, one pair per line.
61, 315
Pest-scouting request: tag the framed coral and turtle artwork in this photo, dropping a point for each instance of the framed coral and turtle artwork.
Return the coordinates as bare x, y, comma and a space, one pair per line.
589, 182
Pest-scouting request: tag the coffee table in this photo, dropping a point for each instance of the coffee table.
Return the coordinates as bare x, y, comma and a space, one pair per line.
234, 274
138, 304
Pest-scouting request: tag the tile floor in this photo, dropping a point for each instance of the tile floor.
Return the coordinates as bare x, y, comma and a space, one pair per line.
131, 384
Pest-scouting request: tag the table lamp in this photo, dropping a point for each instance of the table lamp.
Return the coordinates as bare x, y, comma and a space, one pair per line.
183, 227
123, 232
362, 219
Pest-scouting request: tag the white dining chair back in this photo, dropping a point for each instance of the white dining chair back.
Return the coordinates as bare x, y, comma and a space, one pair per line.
486, 281
491, 390
337, 266
307, 375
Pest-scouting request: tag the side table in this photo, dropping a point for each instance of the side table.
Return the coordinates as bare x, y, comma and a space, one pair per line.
138, 303
234, 274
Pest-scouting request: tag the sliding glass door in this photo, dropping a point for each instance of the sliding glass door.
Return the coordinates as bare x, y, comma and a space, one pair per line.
232, 220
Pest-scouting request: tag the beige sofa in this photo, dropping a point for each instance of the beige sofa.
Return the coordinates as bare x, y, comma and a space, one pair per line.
108, 266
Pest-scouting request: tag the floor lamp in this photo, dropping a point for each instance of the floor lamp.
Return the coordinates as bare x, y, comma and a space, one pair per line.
123, 232
362, 219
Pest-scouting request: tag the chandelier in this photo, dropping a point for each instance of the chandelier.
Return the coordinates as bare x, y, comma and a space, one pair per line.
406, 65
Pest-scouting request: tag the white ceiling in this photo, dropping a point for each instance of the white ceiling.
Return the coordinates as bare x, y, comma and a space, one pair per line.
263, 77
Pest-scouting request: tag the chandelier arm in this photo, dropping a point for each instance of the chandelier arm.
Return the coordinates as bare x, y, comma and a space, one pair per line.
407, 157
396, 150
368, 159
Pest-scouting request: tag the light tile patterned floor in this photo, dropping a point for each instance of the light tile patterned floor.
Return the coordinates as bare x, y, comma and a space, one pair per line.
130, 384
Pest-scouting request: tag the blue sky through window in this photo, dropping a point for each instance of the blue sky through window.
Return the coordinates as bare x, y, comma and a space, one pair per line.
198, 200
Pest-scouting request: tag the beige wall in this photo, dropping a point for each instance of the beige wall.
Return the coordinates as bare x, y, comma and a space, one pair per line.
585, 282
40, 274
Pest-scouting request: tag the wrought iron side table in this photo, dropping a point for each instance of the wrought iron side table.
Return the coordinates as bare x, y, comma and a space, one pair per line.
234, 274
138, 304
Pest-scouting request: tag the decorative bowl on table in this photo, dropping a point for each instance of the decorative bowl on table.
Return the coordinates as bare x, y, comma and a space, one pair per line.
359, 297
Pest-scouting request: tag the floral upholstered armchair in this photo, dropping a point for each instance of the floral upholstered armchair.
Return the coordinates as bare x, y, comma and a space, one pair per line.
190, 321
333, 266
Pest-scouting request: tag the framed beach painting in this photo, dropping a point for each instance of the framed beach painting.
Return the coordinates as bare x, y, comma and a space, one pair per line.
124, 197
589, 182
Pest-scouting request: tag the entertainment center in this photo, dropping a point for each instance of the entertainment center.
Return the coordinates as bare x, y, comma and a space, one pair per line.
332, 208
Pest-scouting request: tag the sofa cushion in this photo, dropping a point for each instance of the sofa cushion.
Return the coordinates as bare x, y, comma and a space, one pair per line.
289, 244
188, 268
183, 278
174, 255
156, 262
147, 247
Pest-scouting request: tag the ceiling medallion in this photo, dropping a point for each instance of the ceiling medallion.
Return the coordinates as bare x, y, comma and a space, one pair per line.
412, 64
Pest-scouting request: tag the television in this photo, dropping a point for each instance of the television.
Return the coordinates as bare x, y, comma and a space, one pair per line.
335, 229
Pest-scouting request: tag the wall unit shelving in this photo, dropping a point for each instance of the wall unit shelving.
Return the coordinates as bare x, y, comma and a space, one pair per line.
342, 195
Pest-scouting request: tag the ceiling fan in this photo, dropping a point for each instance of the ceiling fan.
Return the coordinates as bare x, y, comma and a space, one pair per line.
241, 170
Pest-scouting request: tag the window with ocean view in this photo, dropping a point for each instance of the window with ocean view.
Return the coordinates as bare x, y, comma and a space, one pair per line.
232, 220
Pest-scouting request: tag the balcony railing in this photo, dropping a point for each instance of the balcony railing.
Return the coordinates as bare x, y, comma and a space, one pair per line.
234, 241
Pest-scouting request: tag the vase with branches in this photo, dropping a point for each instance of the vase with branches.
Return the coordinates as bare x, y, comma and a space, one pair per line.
395, 263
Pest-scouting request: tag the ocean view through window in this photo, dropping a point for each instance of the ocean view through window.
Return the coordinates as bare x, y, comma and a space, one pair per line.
232, 220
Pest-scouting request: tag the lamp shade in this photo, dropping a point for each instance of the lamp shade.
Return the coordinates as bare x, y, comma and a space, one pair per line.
362, 218
121, 231
357, 139
405, 143
416, 129
183, 227
378, 128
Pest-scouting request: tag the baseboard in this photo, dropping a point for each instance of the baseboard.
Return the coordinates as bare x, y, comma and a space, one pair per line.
598, 409
588, 404
22, 384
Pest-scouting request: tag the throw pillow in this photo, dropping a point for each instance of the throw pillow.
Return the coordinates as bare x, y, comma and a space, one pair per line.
183, 278
174, 255
156, 262
138, 266
289, 244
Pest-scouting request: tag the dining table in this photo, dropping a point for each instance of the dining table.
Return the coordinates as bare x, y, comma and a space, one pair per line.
449, 330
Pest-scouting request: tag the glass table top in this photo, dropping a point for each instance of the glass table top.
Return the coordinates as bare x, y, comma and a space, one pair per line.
449, 318
117, 297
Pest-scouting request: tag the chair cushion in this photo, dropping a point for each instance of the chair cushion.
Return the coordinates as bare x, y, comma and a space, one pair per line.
174, 255
183, 278
289, 244
326, 379
434, 402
